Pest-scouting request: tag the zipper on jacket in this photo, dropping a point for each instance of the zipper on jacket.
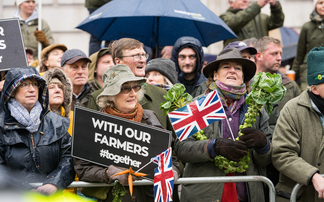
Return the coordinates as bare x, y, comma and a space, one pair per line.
32, 140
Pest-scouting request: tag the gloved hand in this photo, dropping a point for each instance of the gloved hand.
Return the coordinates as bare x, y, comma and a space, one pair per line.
40, 36
35, 63
123, 179
175, 175
253, 138
232, 150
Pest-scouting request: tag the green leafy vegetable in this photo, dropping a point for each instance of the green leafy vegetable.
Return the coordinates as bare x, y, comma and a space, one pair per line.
118, 192
175, 98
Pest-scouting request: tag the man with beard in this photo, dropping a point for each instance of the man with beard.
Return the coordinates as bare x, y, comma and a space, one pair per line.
188, 56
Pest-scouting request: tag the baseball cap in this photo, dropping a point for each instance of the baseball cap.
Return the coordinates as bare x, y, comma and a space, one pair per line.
73, 55
240, 45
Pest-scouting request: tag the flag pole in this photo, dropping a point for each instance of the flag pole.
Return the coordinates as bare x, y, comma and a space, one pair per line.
144, 166
229, 126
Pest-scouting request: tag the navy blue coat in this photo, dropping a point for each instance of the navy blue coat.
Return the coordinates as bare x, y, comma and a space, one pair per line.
189, 42
49, 161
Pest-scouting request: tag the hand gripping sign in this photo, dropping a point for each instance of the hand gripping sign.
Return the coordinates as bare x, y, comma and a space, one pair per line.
107, 140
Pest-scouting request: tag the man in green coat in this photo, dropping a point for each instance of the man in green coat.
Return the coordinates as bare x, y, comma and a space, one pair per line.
247, 21
298, 137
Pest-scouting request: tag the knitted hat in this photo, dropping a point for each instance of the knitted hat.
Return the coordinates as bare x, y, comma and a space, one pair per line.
165, 66
315, 66
18, 2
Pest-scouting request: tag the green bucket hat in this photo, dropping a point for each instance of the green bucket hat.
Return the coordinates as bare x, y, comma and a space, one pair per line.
315, 66
115, 77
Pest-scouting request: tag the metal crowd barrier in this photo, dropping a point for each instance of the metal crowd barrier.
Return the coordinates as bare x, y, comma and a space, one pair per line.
295, 190
189, 180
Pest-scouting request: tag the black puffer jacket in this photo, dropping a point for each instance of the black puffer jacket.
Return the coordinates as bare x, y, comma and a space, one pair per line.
49, 160
189, 42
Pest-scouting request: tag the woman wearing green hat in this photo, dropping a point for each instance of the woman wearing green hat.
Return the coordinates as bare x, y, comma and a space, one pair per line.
120, 98
229, 74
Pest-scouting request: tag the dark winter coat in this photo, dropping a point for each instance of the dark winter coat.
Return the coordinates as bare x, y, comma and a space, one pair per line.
189, 42
199, 164
311, 35
250, 22
49, 161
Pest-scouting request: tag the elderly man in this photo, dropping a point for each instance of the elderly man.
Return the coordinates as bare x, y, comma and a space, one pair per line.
75, 65
298, 137
247, 21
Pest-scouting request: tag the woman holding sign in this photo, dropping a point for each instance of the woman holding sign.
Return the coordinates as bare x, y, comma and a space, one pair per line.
120, 98
34, 143
229, 75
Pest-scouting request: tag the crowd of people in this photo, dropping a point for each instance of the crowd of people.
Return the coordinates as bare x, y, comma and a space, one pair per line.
37, 106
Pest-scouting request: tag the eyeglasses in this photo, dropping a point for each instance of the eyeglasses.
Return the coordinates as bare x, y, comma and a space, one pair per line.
127, 89
138, 57
26, 85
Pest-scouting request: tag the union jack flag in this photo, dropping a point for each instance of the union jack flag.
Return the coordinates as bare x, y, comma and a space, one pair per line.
163, 176
197, 115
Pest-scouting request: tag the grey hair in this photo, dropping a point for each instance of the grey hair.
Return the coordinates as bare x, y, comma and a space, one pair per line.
108, 101
167, 81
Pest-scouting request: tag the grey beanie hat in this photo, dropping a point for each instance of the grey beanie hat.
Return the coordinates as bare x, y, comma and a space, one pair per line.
165, 66
115, 77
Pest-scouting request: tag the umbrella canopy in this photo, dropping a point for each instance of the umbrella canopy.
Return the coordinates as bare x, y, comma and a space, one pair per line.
289, 39
155, 22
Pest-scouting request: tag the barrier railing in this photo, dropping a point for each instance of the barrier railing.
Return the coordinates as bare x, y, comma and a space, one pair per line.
192, 180
295, 190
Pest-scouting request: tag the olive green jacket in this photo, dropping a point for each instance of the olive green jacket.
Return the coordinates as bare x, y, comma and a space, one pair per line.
311, 35
199, 164
94, 4
250, 22
298, 146
153, 96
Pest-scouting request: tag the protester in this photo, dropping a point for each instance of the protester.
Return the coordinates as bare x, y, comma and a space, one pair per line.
120, 98
28, 16
246, 52
75, 65
161, 72
247, 21
311, 35
60, 93
229, 75
34, 143
188, 56
100, 62
268, 59
29, 55
92, 5
297, 139
51, 57
130, 52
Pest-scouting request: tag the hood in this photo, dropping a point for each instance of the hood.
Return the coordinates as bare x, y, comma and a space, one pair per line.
93, 64
33, 16
193, 43
67, 84
23, 73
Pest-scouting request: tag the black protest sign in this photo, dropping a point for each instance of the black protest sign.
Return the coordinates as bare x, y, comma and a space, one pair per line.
109, 140
12, 50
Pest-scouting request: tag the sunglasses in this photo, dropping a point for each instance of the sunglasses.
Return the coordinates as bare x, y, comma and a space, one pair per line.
127, 89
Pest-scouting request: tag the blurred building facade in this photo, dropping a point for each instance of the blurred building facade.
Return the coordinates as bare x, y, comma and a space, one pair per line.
64, 15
